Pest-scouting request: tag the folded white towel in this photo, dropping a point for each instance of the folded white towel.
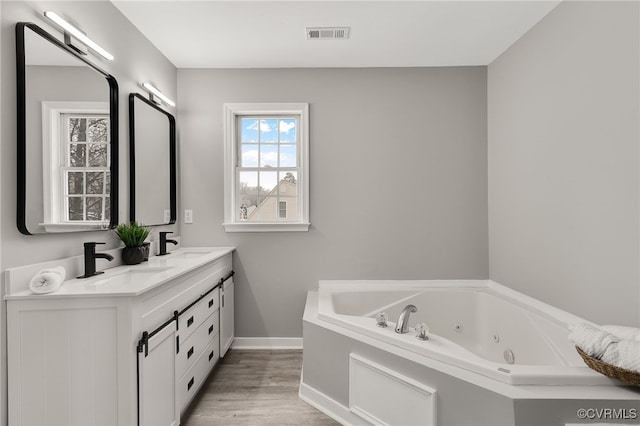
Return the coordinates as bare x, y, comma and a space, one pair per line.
624, 354
47, 280
625, 333
591, 339
606, 346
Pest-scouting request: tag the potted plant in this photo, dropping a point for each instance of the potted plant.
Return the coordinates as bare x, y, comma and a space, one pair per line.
132, 235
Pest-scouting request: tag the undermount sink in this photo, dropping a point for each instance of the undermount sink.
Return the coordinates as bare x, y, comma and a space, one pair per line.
185, 255
129, 276
179, 256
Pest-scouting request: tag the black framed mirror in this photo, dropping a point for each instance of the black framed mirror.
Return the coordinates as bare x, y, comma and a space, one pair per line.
67, 156
152, 157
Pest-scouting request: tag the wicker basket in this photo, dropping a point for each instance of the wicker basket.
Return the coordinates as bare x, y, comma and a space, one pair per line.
627, 376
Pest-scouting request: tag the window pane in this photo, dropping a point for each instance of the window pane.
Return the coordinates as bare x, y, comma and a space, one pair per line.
287, 130
75, 182
282, 209
95, 182
269, 131
97, 130
269, 156
108, 186
247, 194
288, 183
249, 156
268, 181
77, 155
78, 129
98, 155
288, 156
94, 208
248, 130
107, 208
76, 208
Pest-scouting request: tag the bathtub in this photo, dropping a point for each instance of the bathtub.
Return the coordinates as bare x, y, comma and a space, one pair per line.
477, 326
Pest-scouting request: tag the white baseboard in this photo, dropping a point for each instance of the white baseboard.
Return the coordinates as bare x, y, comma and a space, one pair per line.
330, 406
267, 343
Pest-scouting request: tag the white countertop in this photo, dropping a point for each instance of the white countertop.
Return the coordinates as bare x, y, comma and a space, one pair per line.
132, 280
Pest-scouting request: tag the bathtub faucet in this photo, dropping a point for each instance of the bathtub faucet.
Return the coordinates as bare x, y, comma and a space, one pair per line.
402, 326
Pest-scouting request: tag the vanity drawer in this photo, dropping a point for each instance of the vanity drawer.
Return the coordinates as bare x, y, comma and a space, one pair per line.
191, 319
159, 304
194, 378
192, 347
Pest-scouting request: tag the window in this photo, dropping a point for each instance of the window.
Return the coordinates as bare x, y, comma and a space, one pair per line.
282, 210
76, 162
85, 171
266, 167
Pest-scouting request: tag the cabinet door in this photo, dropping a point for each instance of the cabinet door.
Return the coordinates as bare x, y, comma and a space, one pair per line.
227, 330
158, 402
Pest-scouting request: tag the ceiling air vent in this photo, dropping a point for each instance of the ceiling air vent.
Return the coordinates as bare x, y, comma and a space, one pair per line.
327, 33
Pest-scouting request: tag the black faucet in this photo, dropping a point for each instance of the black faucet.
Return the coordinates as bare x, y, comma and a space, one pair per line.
164, 241
90, 257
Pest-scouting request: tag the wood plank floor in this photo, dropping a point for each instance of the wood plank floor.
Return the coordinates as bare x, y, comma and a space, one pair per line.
254, 387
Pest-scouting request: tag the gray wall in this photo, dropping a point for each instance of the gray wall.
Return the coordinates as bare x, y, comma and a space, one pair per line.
563, 132
398, 181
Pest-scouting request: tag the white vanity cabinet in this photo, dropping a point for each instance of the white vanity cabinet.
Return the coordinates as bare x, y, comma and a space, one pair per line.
158, 399
97, 352
227, 330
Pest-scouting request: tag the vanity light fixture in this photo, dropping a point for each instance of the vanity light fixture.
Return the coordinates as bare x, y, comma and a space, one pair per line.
158, 93
79, 35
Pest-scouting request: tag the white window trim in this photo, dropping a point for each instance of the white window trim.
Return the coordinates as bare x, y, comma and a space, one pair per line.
231, 112
53, 156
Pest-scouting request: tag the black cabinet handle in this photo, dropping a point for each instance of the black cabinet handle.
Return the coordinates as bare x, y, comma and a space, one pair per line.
190, 321
190, 352
190, 384
210, 355
211, 303
211, 329
223, 300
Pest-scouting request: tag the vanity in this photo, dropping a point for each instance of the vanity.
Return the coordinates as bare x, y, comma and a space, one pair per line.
130, 346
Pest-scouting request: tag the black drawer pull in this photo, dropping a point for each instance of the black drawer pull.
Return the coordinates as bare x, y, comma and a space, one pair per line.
211, 303
190, 321
211, 329
190, 384
190, 352
210, 355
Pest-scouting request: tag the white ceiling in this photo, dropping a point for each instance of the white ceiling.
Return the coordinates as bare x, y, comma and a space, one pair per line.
271, 34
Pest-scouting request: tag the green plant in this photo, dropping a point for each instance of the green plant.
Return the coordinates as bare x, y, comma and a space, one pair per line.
132, 234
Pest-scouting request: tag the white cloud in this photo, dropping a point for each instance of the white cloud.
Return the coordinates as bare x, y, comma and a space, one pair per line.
265, 127
250, 158
286, 126
270, 158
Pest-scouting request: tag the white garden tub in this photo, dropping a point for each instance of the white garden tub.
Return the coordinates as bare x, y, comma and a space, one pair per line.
479, 326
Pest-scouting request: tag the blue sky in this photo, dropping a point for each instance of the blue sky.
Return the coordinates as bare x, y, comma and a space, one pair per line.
268, 131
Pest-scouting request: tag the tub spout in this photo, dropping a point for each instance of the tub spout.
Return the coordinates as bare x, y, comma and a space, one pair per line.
402, 326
